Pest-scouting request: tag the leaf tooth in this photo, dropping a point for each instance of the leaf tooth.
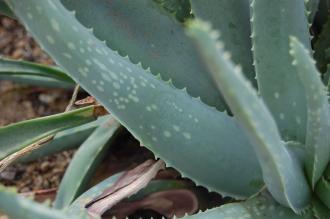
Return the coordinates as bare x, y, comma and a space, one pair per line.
91, 30
201, 184
73, 12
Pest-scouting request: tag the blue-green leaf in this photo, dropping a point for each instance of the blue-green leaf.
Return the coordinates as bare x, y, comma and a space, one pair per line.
141, 30
14, 67
78, 206
85, 160
260, 207
19, 135
318, 120
234, 24
17, 207
166, 120
282, 173
281, 89
65, 140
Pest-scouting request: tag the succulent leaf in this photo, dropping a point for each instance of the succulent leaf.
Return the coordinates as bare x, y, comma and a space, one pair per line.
141, 30
260, 207
65, 140
32, 73
234, 26
16, 136
282, 173
168, 120
281, 89
17, 207
318, 118
84, 162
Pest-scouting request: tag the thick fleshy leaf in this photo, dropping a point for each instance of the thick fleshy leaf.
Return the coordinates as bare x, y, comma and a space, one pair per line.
84, 163
235, 28
282, 173
260, 207
318, 120
281, 89
141, 30
19, 135
17, 207
162, 118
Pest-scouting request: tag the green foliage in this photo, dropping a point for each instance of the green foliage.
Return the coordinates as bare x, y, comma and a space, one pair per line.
168, 117
17, 207
65, 140
31, 73
19, 135
235, 30
85, 161
282, 174
272, 24
151, 38
318, 119
260, 207
276, 138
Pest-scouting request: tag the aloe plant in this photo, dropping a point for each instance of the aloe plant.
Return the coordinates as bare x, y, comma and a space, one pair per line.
228, 94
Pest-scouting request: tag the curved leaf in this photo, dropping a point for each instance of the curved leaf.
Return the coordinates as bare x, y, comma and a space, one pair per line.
282, 173
260, 207
16, 136
84, 162
318, 120
13, 67
272, 24
65, 140
37, 81
234, 24
169, 122
17, 207
148, 35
